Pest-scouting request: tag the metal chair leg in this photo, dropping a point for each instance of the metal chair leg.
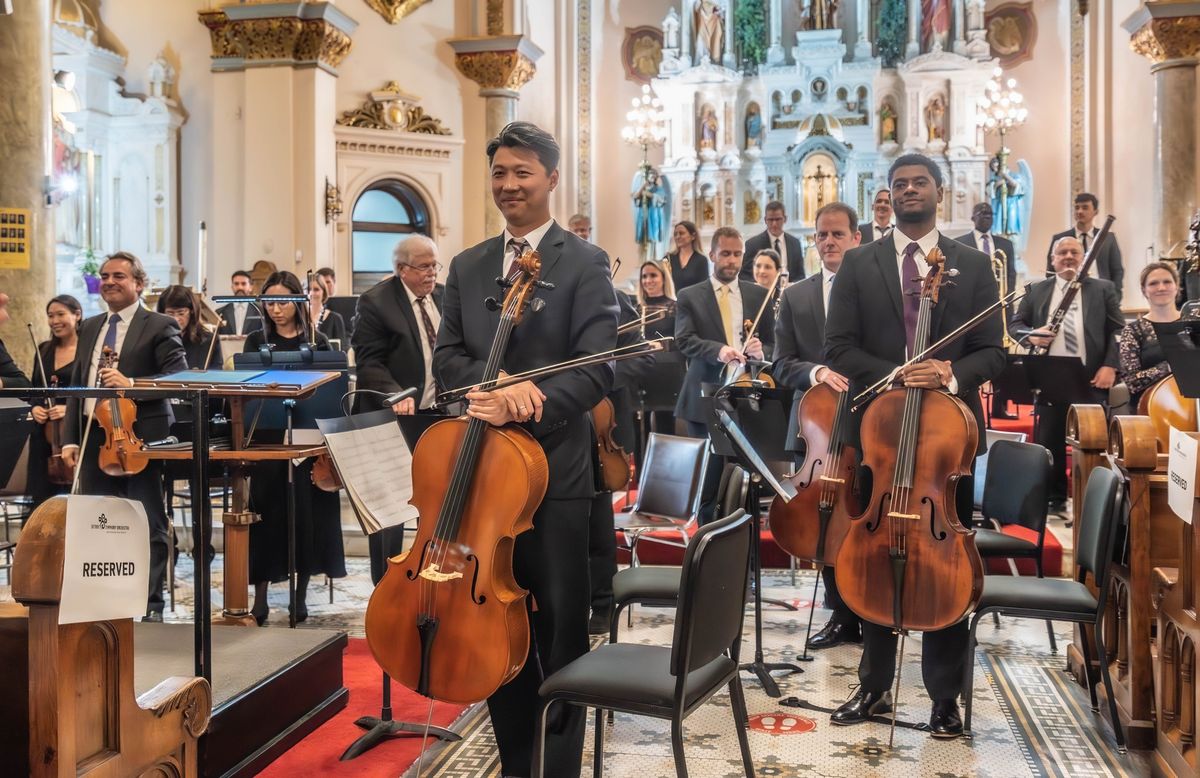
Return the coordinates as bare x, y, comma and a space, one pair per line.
1049, 623
968, 689
1112, 698
740, 719
1087, 663
598, 756
539, 740
677, 748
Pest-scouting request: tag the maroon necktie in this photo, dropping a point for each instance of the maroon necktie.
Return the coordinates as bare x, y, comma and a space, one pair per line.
910, 287
519, 247
430, 333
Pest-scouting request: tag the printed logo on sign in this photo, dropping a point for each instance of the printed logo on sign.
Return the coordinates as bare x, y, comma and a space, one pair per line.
103, 519
102, 523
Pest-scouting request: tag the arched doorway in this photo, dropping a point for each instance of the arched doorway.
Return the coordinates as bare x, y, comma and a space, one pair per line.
382, 215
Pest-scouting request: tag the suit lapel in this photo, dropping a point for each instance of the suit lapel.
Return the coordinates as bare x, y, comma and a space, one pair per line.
713, 310
136, 327
550, 250
816, 305
406, 310
1042, 311
949, 249
885, 262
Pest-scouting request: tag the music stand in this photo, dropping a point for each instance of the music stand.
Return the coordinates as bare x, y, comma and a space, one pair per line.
1056, 381
1013, 382
727, 436
1180, 341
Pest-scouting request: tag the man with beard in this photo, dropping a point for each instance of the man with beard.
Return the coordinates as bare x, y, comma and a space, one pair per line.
870, 330
240, 318
799, 334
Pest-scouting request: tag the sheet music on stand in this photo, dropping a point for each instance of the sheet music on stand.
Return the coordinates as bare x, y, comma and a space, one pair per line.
373, 461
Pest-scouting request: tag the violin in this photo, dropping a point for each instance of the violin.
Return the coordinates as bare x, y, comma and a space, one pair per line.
123, 451
58, 472
615, 463
907, 562
449, 620
812, 525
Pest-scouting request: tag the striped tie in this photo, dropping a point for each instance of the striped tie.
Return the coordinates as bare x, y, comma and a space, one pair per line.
1070, 334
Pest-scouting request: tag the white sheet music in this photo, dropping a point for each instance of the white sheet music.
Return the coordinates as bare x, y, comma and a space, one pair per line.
375, 466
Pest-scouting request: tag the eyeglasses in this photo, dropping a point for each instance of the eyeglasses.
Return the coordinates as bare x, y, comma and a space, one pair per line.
435, 267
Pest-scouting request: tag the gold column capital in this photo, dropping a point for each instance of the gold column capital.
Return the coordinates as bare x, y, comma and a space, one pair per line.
1159, 36
245, 35
497, 62
395, 10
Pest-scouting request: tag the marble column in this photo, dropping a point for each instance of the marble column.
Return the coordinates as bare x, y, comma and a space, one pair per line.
728, 59
24, 142
776, 54
959, 46
914, 29
862, 19
500, 65
1169, 36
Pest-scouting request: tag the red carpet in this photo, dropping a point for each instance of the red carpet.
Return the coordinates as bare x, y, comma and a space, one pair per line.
318, 753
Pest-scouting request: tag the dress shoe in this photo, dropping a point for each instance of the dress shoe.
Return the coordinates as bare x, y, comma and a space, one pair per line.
944, 722
598, 622
834, 634
301, 612
153, 617
1057, 506
861, 707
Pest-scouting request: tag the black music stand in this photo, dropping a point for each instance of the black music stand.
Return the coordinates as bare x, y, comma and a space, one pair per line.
1056, 381
1012, 384
1180, 341
728, 439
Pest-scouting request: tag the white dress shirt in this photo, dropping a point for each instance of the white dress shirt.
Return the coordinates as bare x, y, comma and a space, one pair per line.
430, 394
736, 316
126, 315
882, 230
979, 242
782, 250
1074, 320
239, 317
533, 238
925, 244
826, 288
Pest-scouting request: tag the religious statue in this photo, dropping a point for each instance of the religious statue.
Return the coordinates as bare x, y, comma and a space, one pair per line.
753, 209
708, 127
975, 9
935, 114
820, 178
819, 14
1007, 194
754, 127
887, 122
649, 210
710, 31
935, 25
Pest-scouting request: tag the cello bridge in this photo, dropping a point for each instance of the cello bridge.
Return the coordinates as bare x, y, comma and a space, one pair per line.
895, 515
432, 573
831, 480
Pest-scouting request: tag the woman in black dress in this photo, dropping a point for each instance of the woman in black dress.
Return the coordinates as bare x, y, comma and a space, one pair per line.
1142, 362
319, 548
657, 293
63, 314
688, 265
179, 303
329, 323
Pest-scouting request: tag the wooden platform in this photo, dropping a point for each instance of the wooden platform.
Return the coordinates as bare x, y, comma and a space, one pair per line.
270, 687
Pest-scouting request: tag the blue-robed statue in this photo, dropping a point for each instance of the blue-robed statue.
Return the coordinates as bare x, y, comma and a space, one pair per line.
649, 211
1010, 195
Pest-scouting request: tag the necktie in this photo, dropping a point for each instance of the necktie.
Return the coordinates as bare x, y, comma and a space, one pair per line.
110, 336
430, 334
1085, 238
910, 288
726, 313
885, 231
987, 245
519, 246
777, 247
1070, 334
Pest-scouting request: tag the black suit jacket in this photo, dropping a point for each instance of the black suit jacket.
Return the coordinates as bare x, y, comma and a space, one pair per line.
579, 318
700, 335
387, 346
864, 332
1108, 264
152, 347
763, 240
1102, 318
1003, 244
10, 374
252, 323
867, 229
799, 337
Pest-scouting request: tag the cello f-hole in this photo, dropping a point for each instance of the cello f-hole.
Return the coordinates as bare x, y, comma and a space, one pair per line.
412, 573
933, 530
817, 467
876, 520
478, 599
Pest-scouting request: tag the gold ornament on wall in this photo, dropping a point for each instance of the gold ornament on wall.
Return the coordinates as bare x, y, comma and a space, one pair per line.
333, 201
496, 69
1159, 40
395, 10
391, 108
285, 39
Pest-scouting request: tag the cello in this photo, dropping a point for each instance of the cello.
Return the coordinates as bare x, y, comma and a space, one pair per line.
906, 561
448, 620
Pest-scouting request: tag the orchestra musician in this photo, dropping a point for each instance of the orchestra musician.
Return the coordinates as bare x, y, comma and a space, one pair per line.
1140, 355
10, 374
579, 318
775, 237
709, 331
656, 291
179, 303
318, 528
799, 335
1088, 332
1108, 264
240, 318
881, 224
147, 344
328, 322
688, 266
766, 269
867, 335
63, 314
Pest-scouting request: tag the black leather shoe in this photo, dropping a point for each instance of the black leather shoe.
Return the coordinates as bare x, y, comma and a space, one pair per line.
834, 634
944, 722
153, 616
1057, 506
861, 707
598, 622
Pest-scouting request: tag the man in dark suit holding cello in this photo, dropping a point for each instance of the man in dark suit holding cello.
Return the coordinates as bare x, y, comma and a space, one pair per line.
579, 318
147, 344
799, 335
868, 333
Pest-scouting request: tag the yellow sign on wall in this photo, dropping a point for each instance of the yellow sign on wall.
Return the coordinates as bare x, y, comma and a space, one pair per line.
15, 232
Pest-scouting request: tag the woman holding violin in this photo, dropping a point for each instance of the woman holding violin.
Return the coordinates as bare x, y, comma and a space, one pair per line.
884, 303
48, 475
1142, 363
319, 549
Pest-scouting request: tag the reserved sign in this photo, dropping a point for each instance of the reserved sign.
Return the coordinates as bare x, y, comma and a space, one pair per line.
1181, 474
106, 562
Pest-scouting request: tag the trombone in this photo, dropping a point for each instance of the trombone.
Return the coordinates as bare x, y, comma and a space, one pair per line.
999, 261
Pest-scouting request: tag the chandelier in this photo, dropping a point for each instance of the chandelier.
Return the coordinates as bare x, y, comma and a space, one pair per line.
646, 122
1001, 107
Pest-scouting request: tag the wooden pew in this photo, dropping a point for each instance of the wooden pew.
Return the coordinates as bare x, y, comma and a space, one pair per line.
1087, 435
1151, 541
69, 707
1177, 695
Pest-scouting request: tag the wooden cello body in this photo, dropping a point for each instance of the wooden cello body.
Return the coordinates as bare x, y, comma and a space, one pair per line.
1167, 407
812, 525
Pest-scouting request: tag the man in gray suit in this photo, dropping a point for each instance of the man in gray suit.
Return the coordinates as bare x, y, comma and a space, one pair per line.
799, 336
775, 237
1108, 264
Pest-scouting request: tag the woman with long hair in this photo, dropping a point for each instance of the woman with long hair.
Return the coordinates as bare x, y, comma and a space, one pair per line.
328, 322
1142, 362
656, 292
319, 549
688, 265
63, 314
180, 304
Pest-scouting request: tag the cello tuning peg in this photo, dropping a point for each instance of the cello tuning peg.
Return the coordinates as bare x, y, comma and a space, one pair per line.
502, 282
544, 285
492, 304
536, 304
